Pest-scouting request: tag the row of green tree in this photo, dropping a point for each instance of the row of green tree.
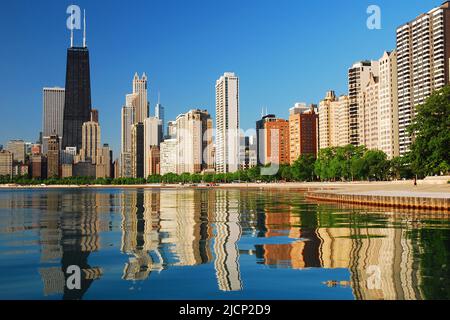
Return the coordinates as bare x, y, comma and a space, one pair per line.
343, 163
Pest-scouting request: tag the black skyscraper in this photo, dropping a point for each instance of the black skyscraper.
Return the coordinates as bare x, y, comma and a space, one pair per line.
77, 107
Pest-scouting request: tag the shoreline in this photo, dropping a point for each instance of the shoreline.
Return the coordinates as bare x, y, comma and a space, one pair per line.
427, 195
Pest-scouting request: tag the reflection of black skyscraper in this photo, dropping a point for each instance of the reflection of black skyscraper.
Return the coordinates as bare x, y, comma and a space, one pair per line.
77, 106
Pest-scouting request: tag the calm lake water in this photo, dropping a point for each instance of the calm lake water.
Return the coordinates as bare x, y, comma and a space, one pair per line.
215, 244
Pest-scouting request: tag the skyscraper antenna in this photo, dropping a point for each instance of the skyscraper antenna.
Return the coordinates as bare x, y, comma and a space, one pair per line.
71, 37
84, 32
159, 97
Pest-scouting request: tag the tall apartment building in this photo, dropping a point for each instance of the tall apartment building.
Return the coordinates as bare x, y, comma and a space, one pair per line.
6, 163
303, 132
358, 78
329, 121
18, 149
344, 121
423, 58
378, 107
53, 156
125, 170
152, 138
91, 141
276, 141
168, 156
171, 130
137, 150
53, 114
368, 102
388, 105
248, 152
261, 138
154, 161
127, 117
38, 165
194, 136
227, 123
103, 162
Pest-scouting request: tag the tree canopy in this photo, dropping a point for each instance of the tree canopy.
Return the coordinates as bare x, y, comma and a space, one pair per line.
430, 130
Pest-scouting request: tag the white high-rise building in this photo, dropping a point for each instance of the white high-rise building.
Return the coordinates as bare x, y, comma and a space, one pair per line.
168, 154
358, 78
53, 114
388, 105
377, 107
227, 123
329, 121
344, 121
368, 107
152, 138
171, 130
423, 58
194, 136
127, 118
334, 121
127, 122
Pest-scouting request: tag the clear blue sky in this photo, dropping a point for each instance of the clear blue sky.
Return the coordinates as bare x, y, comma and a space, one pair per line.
283, 51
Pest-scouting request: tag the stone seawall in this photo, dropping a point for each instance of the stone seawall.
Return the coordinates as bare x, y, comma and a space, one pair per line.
412, 202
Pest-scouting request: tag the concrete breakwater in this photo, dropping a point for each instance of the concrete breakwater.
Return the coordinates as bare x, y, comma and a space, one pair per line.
411, 200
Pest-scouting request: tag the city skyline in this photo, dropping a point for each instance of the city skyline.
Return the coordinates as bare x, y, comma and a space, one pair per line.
251, 101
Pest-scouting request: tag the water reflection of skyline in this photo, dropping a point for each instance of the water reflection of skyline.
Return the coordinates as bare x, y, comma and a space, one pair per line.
69, 233
161, 229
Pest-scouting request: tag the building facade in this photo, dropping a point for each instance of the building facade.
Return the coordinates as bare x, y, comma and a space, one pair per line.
18, 149
261, 138
168, 156
329, 121
358, 78
127, 117
77, 101
388, 134
303, 132
38, 165
53, 155
6, 163
194, 141
91, 141
344, 120
276, 141
137, 150
227, 123
368, 107
154, 161
140, 90
152, 138
53, 114
160, 114
103, 162
423, 58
